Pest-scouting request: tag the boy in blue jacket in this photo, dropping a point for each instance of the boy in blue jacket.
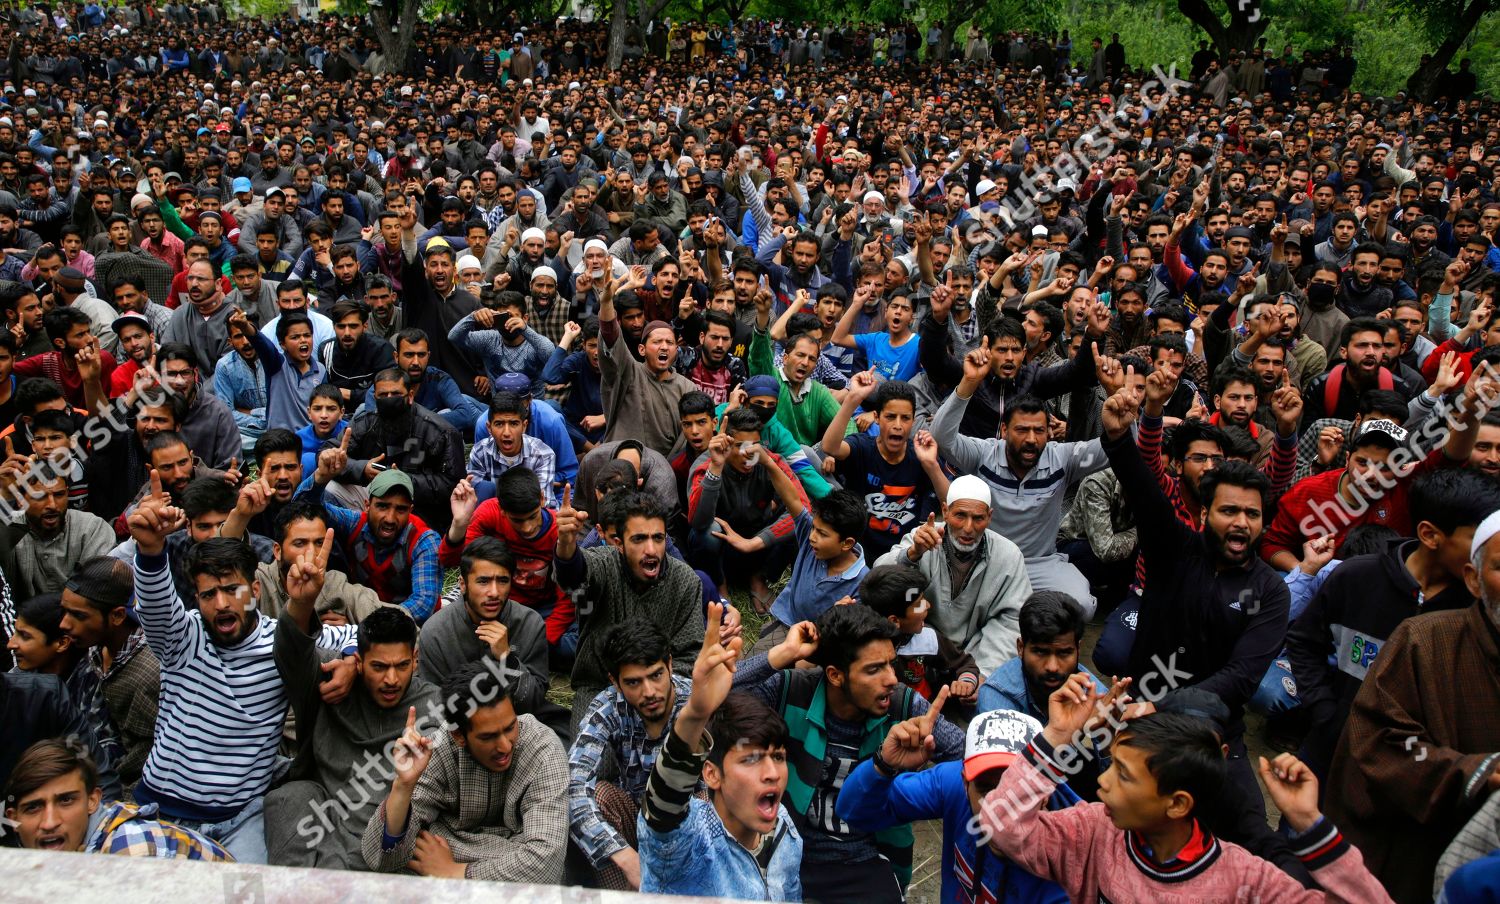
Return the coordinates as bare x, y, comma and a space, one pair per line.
885, 790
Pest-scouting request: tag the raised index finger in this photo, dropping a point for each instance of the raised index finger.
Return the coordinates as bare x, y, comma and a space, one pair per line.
156, 491
567, 500
344, 440
711, 631
411, 718
323, 552
929, 721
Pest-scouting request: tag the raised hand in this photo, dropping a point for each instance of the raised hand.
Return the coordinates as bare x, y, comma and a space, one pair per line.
255, 497
154, 518
570, 521
304, 581
925, 539
232, 473
713, 672
1120, 409
1286, 406
926, 447
1111, 375
411, 753
1330, 444
496, 637
463, 501
333, 461
1294, 790
1317, 552
719, 446
1448, 375
800, 644
977, 363
1160, 385
862, 384
90, 367
1098, 320
909, 745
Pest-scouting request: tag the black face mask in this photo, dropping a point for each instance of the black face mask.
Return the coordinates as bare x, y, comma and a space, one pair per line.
392, 408
1320, 295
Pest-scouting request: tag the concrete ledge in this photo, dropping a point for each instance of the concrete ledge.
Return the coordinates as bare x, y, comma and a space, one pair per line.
35, 877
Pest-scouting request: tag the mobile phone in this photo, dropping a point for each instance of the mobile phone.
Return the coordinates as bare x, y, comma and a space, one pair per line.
378, 466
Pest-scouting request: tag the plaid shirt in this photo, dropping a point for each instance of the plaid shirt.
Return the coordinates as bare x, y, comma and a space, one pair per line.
122, 828
131, 686
509, 826
612, 724
426, 571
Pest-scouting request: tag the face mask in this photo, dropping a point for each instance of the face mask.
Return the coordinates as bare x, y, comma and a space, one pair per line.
393, 408
1320, 295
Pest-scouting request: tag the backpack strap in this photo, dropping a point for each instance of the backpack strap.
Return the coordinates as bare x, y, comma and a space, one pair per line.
1333, 384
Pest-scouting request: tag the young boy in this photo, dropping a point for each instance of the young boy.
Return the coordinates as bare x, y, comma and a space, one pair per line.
897, 472
1143, 841
873, 800
52, 433
926, 660
893, 353
507, 446
292, 373
498, 335
519, 516
740, 843
325, 425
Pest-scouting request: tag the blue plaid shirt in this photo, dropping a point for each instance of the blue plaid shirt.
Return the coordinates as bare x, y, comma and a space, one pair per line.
426, 572
122, 828
611, 723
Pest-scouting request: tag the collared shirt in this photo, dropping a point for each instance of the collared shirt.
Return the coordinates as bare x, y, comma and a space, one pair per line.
240, 384
426, 572
487, 462
612, 724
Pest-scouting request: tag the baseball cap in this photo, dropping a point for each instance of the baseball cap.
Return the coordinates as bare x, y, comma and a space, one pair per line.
274, 192
240, 185
995, 739
1382, 430
387, 482
131, 319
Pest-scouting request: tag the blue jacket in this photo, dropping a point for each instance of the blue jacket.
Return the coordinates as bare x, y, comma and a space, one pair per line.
871, 802
1006, 689
311, 445
700, 857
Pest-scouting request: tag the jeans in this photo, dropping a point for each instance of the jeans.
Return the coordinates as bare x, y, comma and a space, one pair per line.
462, 418
1278, 690
243, 834
708, 553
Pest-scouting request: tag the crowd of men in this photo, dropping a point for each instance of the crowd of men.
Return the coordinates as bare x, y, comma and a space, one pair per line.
1064, 428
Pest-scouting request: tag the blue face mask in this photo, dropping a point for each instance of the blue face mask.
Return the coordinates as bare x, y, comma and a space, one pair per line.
780, 93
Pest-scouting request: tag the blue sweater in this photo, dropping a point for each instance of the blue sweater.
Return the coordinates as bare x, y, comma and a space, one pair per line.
870, 802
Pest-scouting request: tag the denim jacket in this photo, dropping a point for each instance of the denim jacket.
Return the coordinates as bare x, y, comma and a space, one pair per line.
700, 857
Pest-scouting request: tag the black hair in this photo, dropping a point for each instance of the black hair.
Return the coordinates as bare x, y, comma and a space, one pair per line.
203, 495
58, 322
294, 511
1233, 373
1384, 402
486, 549
276, 439
222, 557
1173, 312
1049, 614
387, 624
505, 402
1052, 317
742, 720
470, 687
1364, 540
1183, 753
43, 613
1235, 474
290, 319
845, 630
634, 641
1172, 342
1026, 404
892, 391
693, 403
1360, 325
1189, 432
33, 392
744, 420
1006, 328
1450, 498
518, 491
166, 440
844, 512
890, 590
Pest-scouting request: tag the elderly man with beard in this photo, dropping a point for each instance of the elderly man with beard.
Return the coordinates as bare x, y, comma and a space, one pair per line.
1434, 681
977, 576
203, 324
1028, 475
219, 680
1214, 615
317, 818
640, 397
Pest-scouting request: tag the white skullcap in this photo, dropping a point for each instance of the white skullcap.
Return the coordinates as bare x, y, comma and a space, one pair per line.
1486, 530
593, 243
468, 262
969, 487
542, 271
873, 195
533, 233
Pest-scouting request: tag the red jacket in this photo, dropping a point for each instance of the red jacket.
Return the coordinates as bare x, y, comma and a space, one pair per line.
533, 584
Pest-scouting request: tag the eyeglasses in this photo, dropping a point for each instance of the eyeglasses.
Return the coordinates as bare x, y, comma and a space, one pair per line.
1199, 458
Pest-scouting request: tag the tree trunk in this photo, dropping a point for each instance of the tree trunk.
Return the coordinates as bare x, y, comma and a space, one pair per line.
618, 22
1426, 77
646, 11
395, 42
1247, 22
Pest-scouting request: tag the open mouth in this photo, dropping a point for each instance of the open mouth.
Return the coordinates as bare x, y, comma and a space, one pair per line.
51, 842
1237, 543
650, 568
766, 804
501, 761
390, 695
883, 702
226, 622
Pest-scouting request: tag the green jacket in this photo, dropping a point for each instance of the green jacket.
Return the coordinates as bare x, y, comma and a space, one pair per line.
807, 417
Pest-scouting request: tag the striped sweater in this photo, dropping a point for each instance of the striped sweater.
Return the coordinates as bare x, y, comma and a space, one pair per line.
221, 710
